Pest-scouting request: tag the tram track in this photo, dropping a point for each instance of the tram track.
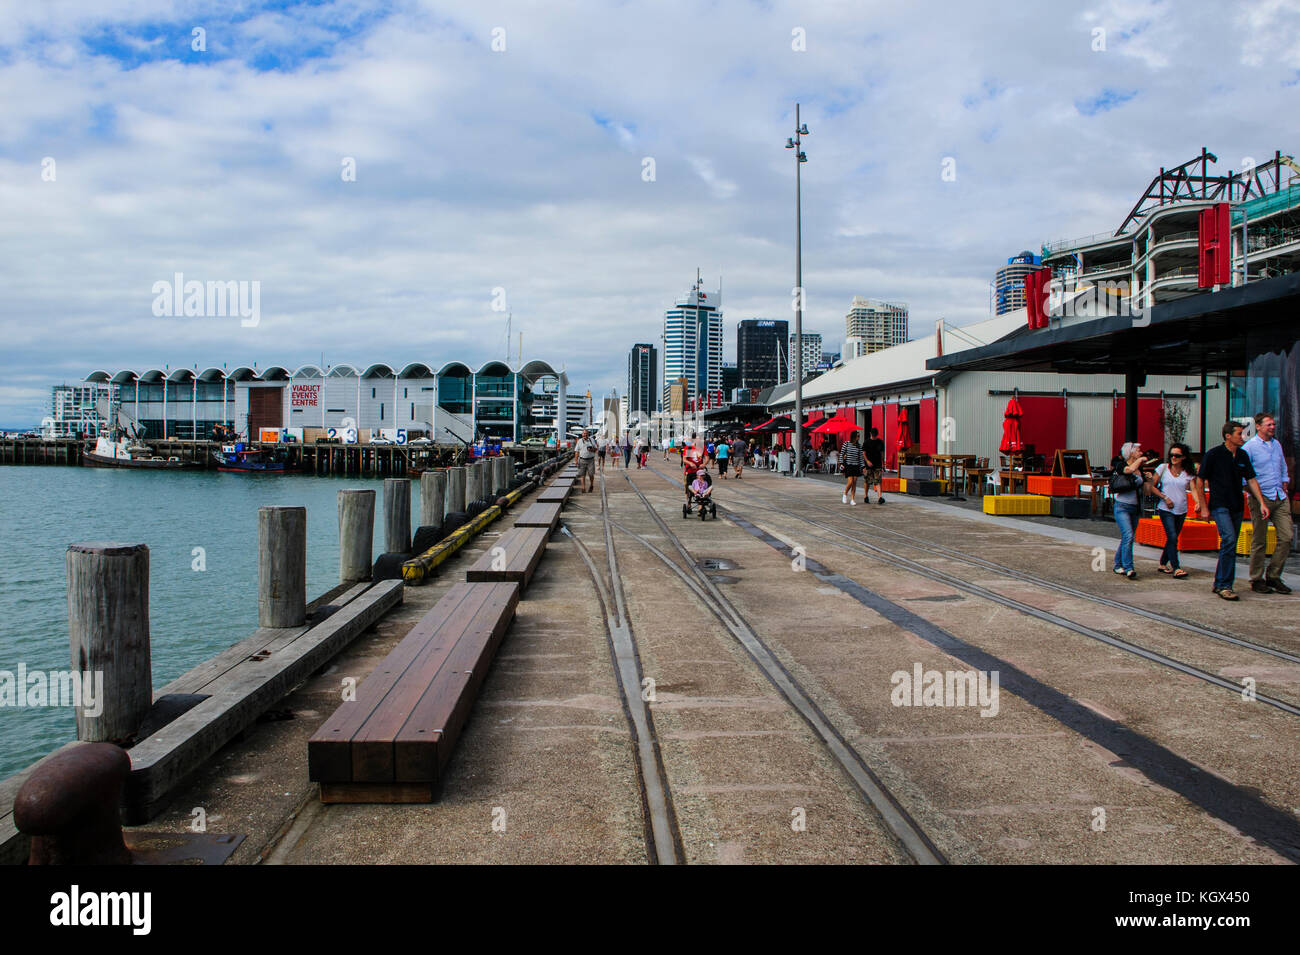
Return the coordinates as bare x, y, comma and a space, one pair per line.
868, 549
663, 837
1241, 808
894, 816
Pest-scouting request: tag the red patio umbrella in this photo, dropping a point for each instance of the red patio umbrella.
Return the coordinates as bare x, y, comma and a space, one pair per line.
836, 426
1011, 441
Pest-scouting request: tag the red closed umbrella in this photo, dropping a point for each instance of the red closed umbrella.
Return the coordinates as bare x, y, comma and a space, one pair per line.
1011, 441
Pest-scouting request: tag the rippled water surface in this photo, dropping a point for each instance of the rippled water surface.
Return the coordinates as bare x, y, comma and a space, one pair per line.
193, 614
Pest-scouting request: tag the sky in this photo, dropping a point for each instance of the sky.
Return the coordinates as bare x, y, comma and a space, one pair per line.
400, 177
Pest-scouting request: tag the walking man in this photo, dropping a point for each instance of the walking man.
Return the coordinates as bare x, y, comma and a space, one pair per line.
1224, 469
738, 451
1265, 453
851, 465
874, 455
586, 451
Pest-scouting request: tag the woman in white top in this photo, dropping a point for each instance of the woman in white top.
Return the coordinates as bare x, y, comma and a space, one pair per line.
1171, 484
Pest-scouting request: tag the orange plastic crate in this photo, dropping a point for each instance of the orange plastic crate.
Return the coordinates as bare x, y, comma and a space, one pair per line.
1196, 535
889, 484
1052, 486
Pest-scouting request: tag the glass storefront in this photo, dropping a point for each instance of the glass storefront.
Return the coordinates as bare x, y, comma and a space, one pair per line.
1273, 384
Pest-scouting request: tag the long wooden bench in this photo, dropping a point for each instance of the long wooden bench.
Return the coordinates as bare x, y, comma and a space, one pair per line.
540, 515
393, 741
237, 695
554, 495
512, 557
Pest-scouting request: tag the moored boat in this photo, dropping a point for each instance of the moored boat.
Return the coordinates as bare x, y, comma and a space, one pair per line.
124, 453
240, 457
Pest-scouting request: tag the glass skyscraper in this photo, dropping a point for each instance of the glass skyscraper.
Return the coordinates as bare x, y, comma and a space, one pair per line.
693, 342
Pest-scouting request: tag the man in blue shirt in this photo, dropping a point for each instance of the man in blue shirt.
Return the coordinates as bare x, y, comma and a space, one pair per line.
1269, 463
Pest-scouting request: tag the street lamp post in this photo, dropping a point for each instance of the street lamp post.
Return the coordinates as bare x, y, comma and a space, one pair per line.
796, 143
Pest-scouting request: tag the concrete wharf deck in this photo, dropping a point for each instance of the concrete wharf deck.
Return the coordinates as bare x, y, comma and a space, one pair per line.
1088, 751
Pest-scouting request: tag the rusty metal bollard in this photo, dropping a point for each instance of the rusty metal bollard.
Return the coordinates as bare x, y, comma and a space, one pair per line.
69, 806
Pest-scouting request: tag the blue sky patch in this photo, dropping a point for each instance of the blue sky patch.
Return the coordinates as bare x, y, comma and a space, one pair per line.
1104, 101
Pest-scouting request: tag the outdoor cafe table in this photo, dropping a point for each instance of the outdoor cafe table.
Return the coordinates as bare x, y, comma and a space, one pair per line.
947, 466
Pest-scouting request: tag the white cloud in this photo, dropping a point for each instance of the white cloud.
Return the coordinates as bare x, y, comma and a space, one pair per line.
478, 169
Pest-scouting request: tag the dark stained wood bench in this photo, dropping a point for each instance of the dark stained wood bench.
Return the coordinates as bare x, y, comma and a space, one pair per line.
392, 743
540, 515
512, 557
554, 495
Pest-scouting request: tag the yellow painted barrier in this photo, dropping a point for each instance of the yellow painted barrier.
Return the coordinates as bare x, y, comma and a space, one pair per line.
415, 570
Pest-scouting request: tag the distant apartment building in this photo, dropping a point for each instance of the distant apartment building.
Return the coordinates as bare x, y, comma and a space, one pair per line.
72, 409
1009, 282
677, 396
879, 324
693, 342
812, 354
643, 380
760, 352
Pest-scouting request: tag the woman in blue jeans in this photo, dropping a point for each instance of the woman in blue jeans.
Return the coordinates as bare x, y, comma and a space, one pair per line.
1171, 485
1129, 461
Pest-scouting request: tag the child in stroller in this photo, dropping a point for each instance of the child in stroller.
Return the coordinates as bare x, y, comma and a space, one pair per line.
701, 496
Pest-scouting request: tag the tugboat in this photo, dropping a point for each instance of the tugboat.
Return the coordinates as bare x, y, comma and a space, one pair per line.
127, 453
125, 449
240, 457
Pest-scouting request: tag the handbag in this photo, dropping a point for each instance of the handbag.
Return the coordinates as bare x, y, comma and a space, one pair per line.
1121, 482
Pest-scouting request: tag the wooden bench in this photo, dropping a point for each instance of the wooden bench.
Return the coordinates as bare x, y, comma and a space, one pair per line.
512, 557
554, 495
540, 515
562, 482
236, 695
393, 741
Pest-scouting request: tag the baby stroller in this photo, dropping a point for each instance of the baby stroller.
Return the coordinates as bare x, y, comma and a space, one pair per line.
703, 502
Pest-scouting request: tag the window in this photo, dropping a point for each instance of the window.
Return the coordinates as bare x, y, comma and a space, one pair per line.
372, 392
381, 411
404, 394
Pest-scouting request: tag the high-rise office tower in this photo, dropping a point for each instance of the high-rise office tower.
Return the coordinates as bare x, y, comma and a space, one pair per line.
643, 380
812, 354
693, 342
760, 352
1009, 284
880, 325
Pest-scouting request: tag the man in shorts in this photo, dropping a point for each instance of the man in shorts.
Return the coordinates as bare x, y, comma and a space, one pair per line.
738, 452
873, 472
585, 454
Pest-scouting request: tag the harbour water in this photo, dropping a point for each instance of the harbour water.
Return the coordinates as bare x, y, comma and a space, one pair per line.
201, 528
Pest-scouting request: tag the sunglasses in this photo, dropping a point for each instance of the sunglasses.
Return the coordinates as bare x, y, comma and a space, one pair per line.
1172, 456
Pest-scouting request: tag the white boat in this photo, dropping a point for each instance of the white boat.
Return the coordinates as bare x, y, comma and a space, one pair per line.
125, 453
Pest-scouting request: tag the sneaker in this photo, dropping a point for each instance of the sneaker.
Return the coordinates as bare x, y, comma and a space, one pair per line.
1132, 575
1276, 585
882, 500
1260, 587
853, 502
1118, 570
844, 499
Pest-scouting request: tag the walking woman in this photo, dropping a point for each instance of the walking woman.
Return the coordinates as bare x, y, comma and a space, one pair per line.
627, 449
851, 465
1172, 482
1125, 486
